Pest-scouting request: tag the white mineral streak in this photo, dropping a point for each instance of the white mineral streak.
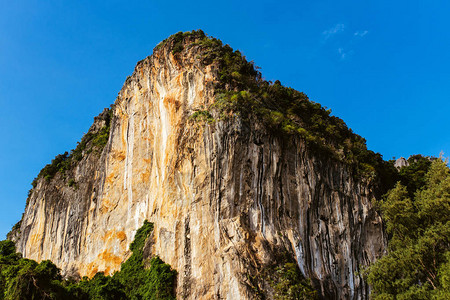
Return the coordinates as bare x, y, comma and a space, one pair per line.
300, 258
129, 159
223, 200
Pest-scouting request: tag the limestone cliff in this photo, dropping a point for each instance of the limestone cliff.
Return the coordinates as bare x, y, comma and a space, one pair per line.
226, 195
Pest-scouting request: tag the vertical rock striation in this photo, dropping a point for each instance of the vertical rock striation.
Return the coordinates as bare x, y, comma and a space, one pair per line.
226, 197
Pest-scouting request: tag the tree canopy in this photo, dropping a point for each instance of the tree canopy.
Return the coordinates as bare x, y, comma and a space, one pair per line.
417, 265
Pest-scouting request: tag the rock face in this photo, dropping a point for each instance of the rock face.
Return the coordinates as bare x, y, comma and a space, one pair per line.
225, 197
401, 162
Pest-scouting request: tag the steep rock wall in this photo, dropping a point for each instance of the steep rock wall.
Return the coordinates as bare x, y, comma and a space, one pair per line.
226, 198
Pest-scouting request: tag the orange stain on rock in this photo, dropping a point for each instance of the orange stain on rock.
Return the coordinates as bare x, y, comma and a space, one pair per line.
119, 155
110, 259
106, 205
110, 178
156, 93
113, 234
121, 235
108, 234
106, 262
91, 270
35, 238
172, 102
178, 79
145, 176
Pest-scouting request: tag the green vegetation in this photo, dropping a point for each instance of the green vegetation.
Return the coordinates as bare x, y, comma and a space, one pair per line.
417, 265
413, 176
100, 139
291, 285
202, 115
16, 226
72, 183
177, 40
100, 287
285, 111
26, 279
14, 230
157, 282
241, 92
284, 277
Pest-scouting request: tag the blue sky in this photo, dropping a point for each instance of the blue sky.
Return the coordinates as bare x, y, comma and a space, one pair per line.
382, 66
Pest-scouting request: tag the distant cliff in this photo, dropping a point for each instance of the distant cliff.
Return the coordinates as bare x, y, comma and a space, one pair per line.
236, 173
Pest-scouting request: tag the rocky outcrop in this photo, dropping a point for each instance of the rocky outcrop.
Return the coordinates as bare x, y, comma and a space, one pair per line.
400, 163
226, 197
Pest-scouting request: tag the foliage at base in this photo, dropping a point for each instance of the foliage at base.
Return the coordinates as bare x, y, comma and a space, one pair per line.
290, 284
156, 282
26, 279
281, 280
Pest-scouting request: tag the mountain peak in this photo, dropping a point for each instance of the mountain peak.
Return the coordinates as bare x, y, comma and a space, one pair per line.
244, 180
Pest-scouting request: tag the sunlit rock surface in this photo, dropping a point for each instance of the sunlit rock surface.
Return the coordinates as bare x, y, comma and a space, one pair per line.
225, 198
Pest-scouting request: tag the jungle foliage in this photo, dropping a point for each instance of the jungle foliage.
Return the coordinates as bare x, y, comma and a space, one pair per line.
417, 217
138, 278
284, 277
289, 283
413, 176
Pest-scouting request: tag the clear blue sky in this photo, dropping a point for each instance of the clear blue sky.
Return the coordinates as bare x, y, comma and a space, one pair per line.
382, 66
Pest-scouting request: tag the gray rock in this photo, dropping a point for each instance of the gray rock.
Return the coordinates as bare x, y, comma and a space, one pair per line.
401, 162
